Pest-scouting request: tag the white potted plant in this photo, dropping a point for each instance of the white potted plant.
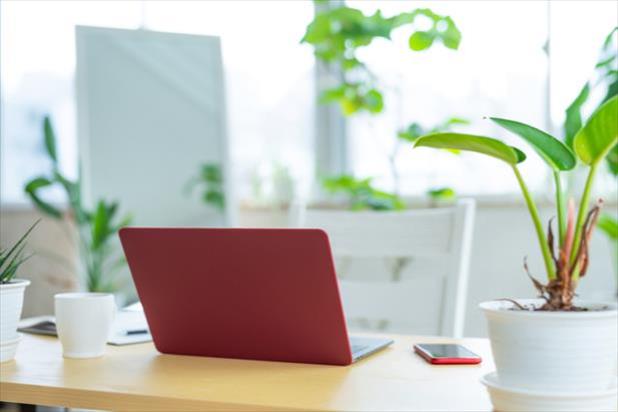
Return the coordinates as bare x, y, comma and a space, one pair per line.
555, 343
11, 295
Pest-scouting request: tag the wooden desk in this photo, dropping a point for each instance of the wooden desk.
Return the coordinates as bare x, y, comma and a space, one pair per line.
139, 378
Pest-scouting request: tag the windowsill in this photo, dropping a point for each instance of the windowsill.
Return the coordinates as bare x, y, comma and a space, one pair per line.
415, 202
482, 201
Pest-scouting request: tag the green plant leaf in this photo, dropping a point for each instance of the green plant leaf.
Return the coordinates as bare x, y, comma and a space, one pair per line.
37, 183
555, 153
472, 143
32, 191
411, 133
451, 37
609, 226
374, 101
125, 221
215, 198
600, 133
573, 119
332, 95
362, 195
442, 193
8, 270
612, 160
49, 138
421, 40
100, 225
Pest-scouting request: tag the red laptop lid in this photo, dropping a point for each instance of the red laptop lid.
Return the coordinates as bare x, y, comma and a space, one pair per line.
268, 294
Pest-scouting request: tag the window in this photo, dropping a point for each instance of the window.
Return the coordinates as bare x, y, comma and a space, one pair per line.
38, 61
501, 69
269, 81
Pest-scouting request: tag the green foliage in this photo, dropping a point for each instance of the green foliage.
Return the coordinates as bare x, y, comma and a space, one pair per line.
362, 194
416, 130
609, 225
337, 34
612, 161
555, 153
210, 180
12, 259
592, 143
353, 97
96, 228
573, 120
599, 135
472, 143
607, 66
558, 156
441, 194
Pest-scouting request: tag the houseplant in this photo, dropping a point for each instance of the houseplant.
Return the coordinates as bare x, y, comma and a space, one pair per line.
11, 295
554, 342
96, 228
337, 35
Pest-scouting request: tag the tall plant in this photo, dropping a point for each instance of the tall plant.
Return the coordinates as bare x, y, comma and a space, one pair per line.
568, 262
95, 228
336, 36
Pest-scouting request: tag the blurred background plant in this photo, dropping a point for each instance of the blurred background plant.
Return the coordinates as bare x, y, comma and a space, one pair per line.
96, 229
361, 194
209, 180
336, 35
13, 258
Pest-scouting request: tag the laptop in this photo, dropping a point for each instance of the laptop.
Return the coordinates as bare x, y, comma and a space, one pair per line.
263, 294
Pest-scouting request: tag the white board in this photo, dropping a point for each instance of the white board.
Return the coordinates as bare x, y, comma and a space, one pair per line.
151, 109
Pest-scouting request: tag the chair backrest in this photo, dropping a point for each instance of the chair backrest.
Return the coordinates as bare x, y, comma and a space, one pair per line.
403, 271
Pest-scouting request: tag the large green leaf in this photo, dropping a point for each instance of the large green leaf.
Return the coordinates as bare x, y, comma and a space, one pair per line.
451, 37
599, 135
612, 160
472, 143
49, 138
609, 225
573, 119
100, 225
555, 153
421, 40
32, 190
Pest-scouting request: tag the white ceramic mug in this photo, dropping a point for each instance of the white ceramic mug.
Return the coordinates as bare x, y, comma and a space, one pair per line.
84, 322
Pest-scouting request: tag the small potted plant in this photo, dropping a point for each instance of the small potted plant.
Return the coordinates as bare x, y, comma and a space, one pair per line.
11, 295
556, 342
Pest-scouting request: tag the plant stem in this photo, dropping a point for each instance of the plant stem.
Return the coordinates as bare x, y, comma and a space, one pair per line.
561, 208
534, 214
583, 209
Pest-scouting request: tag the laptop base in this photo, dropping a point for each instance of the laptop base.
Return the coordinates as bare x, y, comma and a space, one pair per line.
362, 347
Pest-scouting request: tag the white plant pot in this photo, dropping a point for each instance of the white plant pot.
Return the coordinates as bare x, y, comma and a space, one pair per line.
507, 399
11, 302
554, 351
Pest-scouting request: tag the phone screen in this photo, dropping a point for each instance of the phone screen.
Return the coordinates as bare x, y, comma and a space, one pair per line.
446, 351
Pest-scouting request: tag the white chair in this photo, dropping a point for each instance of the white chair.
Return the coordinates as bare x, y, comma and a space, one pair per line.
402, 272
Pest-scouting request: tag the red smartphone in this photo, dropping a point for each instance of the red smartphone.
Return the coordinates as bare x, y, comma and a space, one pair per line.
447, 354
